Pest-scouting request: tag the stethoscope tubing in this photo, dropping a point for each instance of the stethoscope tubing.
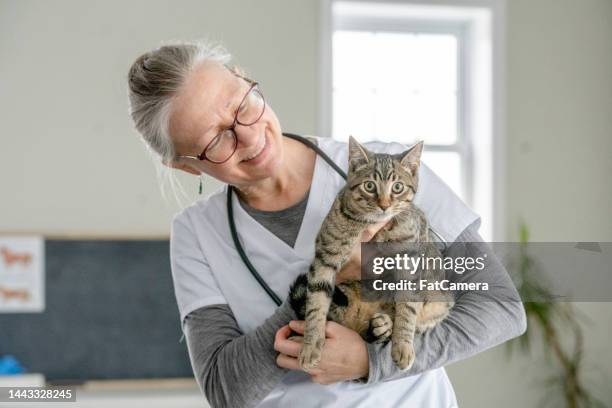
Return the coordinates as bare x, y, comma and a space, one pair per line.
232, 225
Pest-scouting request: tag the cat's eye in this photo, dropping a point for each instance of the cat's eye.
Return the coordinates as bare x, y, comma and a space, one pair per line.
397, 187
369, 186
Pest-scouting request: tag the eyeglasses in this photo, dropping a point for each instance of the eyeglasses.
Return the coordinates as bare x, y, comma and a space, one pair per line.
223, 145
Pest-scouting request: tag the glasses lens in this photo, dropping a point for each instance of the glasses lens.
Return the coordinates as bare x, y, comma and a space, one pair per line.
222, 147
252, 109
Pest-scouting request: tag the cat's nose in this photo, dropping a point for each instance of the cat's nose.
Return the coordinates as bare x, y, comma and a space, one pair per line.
384, 204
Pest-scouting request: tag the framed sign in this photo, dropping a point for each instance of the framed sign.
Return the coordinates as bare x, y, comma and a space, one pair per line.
22, 274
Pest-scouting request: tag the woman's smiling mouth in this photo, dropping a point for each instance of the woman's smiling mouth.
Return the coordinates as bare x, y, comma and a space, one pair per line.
257, 152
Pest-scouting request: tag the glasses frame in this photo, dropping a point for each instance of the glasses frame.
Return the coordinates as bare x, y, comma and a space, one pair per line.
202, 156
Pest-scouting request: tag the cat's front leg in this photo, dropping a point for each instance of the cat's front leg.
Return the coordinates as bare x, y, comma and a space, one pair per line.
320, 291
433, 312
338, 235
404, 327
381, 327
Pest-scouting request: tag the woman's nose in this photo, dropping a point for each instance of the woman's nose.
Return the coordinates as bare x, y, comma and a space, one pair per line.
247, 135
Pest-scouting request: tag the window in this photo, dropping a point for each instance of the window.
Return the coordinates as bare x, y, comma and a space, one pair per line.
400, 86
406, 72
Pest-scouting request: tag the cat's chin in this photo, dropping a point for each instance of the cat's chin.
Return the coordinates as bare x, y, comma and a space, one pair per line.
387, 217
382, 217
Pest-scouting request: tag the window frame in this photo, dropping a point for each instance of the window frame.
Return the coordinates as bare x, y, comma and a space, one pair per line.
482, 165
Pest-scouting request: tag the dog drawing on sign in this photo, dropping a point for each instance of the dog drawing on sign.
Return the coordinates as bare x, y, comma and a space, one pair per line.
11, 257
8, 294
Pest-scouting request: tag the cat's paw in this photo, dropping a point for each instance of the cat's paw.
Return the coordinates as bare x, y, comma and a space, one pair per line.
381, 327
310, 355
402, 354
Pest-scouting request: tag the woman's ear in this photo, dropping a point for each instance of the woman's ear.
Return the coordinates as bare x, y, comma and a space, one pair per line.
182, 166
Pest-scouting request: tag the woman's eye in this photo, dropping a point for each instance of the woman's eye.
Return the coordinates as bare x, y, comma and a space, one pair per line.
217, 139
242, 107
369, 186
397, 187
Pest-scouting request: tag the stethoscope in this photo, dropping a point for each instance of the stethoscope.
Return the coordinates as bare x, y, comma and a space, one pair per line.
230, 215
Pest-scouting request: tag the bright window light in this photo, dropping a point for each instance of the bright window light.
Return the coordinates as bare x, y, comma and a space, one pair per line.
405, 72
399, 87
395, 86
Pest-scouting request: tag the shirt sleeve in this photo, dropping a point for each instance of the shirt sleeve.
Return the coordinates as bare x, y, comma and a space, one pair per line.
195, 285
477, 321
234, 369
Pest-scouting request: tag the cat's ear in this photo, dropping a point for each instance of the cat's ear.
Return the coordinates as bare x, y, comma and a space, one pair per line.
411, 159
358, 155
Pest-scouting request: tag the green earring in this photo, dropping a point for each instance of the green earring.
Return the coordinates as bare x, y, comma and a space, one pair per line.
200, 189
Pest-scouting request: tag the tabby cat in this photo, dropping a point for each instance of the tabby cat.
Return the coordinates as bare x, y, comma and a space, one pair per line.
379, 187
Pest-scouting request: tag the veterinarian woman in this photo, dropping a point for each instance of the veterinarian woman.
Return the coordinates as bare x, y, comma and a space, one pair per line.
198, 115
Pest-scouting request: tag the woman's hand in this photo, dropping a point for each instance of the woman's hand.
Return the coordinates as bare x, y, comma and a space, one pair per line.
352, 268
344, 356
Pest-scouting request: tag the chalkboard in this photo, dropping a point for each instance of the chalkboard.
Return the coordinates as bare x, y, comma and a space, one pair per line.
110, 313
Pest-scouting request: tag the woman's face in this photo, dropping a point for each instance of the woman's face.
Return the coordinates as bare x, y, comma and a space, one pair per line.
203, 107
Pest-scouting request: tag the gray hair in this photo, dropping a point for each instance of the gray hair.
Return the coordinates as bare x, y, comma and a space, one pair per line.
153, 80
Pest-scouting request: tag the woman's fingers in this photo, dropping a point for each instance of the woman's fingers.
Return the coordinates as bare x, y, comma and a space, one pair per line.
331, 328
297, 326
367, 235
284, 345
291, 363
288, 347
282, 333
285, 361
371, 230
344, 354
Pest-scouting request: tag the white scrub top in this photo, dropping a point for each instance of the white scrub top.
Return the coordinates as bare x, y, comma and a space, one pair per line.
207, 270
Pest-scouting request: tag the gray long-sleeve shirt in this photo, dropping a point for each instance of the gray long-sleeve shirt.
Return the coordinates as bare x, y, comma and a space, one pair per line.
235, 369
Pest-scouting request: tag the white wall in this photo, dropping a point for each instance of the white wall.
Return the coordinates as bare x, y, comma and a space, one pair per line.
558, 166
559, 119
70, 162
